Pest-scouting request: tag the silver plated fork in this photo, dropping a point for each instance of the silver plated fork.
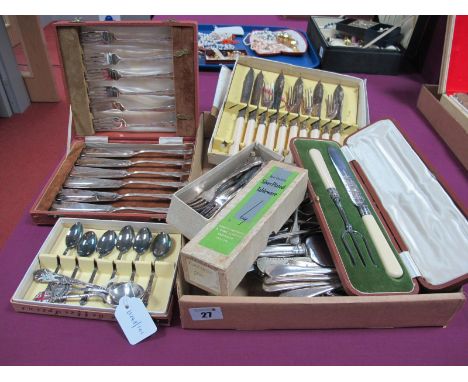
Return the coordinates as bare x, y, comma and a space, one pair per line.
120, 124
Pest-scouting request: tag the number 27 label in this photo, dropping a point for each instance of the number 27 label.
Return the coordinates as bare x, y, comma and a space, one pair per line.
204, 314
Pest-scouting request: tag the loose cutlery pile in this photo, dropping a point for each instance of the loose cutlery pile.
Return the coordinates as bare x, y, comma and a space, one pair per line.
130, 78
296, 262
125, 177
61, 288
291, 113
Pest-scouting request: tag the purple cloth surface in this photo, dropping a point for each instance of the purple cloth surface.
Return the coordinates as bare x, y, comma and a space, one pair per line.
30, 339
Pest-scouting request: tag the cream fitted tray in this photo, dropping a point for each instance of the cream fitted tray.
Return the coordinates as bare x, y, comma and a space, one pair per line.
160, 300
354, 110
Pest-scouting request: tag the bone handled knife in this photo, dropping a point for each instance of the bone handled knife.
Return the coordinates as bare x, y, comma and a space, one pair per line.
239, 126
252, 119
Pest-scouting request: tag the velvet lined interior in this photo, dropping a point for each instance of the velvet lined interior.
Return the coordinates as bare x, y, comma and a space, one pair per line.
365, 279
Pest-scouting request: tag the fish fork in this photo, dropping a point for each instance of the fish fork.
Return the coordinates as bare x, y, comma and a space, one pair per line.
333, 106
307, 107
115, 92
283, 129
109, 58
108, 37
267, 102
120, 124
109, 74
108, 105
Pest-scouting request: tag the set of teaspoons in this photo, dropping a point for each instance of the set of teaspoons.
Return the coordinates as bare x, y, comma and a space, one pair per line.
61, 288
130, 79
111, 178
304, 105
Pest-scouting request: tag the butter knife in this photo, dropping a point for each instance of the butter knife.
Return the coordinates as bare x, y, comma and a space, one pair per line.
390, 263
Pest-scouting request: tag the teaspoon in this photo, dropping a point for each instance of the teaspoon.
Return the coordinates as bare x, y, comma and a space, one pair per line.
105, 245
161, 247
124, 243
85, 248
142, 243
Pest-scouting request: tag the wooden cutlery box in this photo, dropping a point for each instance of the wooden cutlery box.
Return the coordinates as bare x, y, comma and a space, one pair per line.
439, 104
161, 298
249, 309
176, 90
355, 113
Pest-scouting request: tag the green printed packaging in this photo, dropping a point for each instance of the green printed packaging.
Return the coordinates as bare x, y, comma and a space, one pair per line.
220, 255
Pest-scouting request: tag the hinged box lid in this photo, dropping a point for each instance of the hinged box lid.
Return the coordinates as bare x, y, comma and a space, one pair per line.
182, 37
433, 229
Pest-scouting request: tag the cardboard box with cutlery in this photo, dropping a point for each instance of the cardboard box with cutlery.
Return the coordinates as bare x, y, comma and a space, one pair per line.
148, 265
132, 88
446, 106
434, 267
270, 103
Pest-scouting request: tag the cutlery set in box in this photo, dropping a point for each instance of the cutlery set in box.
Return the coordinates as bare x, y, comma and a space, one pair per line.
132, 89
85, 266
372, 236
271, 103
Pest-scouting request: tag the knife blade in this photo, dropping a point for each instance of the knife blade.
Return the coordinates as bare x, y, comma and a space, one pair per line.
239, 125
387, 257
91, 196
254, 100
95, 172
89, 207
122, 163
92, 183
277, 97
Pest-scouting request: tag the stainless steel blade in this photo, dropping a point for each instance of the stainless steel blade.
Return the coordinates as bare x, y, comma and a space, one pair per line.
94, 172
88, 196
93, 183
346, 176
122, 163
89, 207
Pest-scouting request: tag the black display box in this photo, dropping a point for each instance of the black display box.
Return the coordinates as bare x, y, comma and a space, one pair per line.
346, 59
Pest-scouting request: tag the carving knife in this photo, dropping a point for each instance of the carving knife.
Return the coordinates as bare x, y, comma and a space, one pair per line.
254, 100
277, 95
391, 265
239, 126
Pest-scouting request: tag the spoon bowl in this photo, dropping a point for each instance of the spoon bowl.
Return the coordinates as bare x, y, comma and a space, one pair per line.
106, 243
125, 240
162, 245
142, 241
318, 251
73, 236
115, 291
87, 244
